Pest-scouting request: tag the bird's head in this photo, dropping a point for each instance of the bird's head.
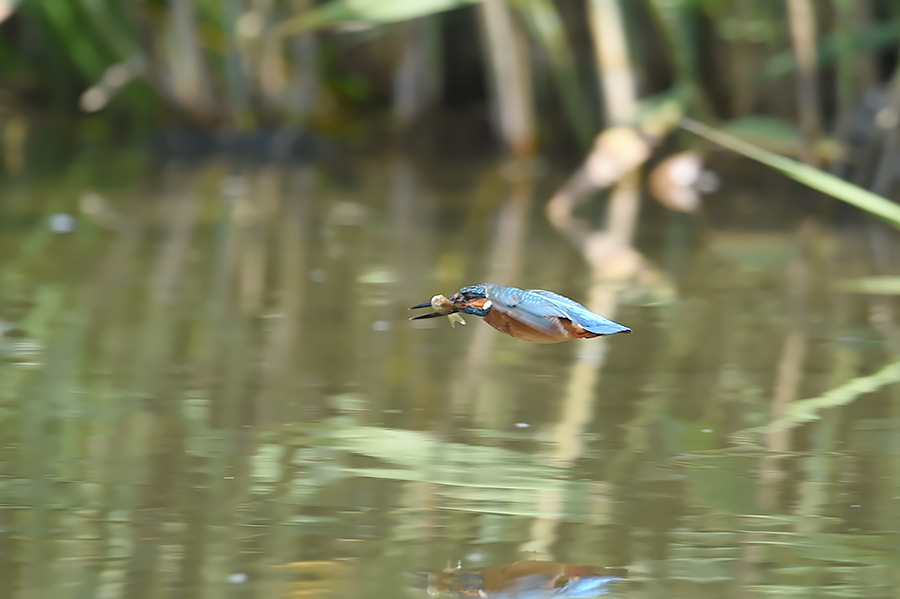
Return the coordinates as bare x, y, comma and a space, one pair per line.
471, 300
467, 294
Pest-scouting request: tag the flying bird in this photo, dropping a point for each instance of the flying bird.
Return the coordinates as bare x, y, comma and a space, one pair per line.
533, 315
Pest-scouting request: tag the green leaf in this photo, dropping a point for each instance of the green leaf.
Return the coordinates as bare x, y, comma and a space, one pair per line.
367, 11
391, 11
802, 173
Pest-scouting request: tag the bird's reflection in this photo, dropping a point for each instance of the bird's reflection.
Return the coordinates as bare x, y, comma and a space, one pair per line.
532, 579
527, 579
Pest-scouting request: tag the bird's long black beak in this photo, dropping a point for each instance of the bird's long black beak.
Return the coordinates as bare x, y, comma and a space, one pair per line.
430, 314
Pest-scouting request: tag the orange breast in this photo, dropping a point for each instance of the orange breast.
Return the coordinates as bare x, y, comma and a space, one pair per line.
564, 331
505, 323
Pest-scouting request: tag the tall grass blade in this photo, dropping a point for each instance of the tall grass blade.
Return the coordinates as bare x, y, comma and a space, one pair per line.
808, 175
67, 23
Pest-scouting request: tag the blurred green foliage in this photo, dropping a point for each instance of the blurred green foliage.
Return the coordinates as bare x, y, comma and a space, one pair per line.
254, 64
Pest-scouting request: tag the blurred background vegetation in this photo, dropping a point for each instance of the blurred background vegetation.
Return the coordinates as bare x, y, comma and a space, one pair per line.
276, 78
214, 214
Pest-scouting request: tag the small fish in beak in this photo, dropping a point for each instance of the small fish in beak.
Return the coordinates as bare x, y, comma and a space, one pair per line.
442, 306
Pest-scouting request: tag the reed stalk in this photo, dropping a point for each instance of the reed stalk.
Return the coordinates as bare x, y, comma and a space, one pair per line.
618, 85
416, 81
303, 91
279, 404
190, 81
546, 24
790, 370
802, 20
743, 62
673, 19
510, 78
236, 77
507, 250
887, 171
859, 15
619, 91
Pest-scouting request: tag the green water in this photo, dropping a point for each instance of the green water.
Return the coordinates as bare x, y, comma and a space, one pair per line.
213, 377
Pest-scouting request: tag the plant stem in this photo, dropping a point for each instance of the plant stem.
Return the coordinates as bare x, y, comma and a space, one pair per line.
802, 19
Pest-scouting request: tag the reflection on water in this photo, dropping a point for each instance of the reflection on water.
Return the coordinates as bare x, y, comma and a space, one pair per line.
210, 387
527, 579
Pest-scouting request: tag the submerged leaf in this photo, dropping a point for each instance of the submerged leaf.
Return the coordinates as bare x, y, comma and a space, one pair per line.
473, 478
807, 410
873, 285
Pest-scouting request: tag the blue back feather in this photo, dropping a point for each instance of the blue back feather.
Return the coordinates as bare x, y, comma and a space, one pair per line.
535, 306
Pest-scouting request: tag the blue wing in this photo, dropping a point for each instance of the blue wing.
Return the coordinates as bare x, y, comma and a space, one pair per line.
578, 314
537, 308
540, 587
586, 587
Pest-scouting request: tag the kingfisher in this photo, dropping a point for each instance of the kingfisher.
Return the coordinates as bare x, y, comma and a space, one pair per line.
534, 579
534, 315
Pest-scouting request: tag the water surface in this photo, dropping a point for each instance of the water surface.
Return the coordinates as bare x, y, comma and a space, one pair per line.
209, 388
